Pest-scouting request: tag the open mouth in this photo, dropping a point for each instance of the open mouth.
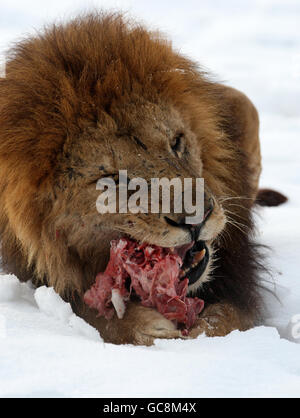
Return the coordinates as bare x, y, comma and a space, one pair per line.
195, 257
158, 276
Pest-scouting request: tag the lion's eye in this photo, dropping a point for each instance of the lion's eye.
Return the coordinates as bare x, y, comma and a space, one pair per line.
178, 144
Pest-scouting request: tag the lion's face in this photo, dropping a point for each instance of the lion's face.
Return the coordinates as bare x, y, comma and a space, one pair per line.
148, 141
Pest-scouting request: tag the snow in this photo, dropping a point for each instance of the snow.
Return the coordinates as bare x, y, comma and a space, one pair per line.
49, 302
10, 288
46, 350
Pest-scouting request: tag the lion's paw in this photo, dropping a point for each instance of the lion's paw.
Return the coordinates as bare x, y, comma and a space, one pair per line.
147, 324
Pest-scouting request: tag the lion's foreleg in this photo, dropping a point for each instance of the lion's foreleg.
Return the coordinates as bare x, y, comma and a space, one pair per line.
219, 320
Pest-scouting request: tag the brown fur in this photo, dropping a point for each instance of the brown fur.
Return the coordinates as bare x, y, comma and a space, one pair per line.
81, 101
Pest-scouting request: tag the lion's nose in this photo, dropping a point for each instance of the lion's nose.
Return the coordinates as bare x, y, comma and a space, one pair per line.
194, 229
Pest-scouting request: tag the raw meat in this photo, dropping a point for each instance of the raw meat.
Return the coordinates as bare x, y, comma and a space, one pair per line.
154, 276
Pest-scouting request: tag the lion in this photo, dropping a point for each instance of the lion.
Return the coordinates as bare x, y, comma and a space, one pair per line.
82, 100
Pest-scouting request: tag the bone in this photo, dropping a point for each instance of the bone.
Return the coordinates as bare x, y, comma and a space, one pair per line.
118, 303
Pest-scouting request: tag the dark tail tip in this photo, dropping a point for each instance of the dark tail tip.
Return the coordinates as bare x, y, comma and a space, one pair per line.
268, 197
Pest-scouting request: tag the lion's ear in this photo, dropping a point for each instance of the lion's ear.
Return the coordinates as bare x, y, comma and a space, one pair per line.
268, 197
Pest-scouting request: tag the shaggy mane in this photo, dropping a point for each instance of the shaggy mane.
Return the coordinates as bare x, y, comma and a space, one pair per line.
75, 76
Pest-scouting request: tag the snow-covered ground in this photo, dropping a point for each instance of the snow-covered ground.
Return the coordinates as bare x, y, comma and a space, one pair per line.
45, 350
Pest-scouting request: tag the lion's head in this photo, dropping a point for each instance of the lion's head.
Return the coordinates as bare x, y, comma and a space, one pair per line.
96, 99
148, 140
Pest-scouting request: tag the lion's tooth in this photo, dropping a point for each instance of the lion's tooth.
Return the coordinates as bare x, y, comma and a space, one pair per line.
182, 272
199, 256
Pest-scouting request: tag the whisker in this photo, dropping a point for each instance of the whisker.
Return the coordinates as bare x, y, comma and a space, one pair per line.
239, 206
227, 211
238, 227
225, 198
